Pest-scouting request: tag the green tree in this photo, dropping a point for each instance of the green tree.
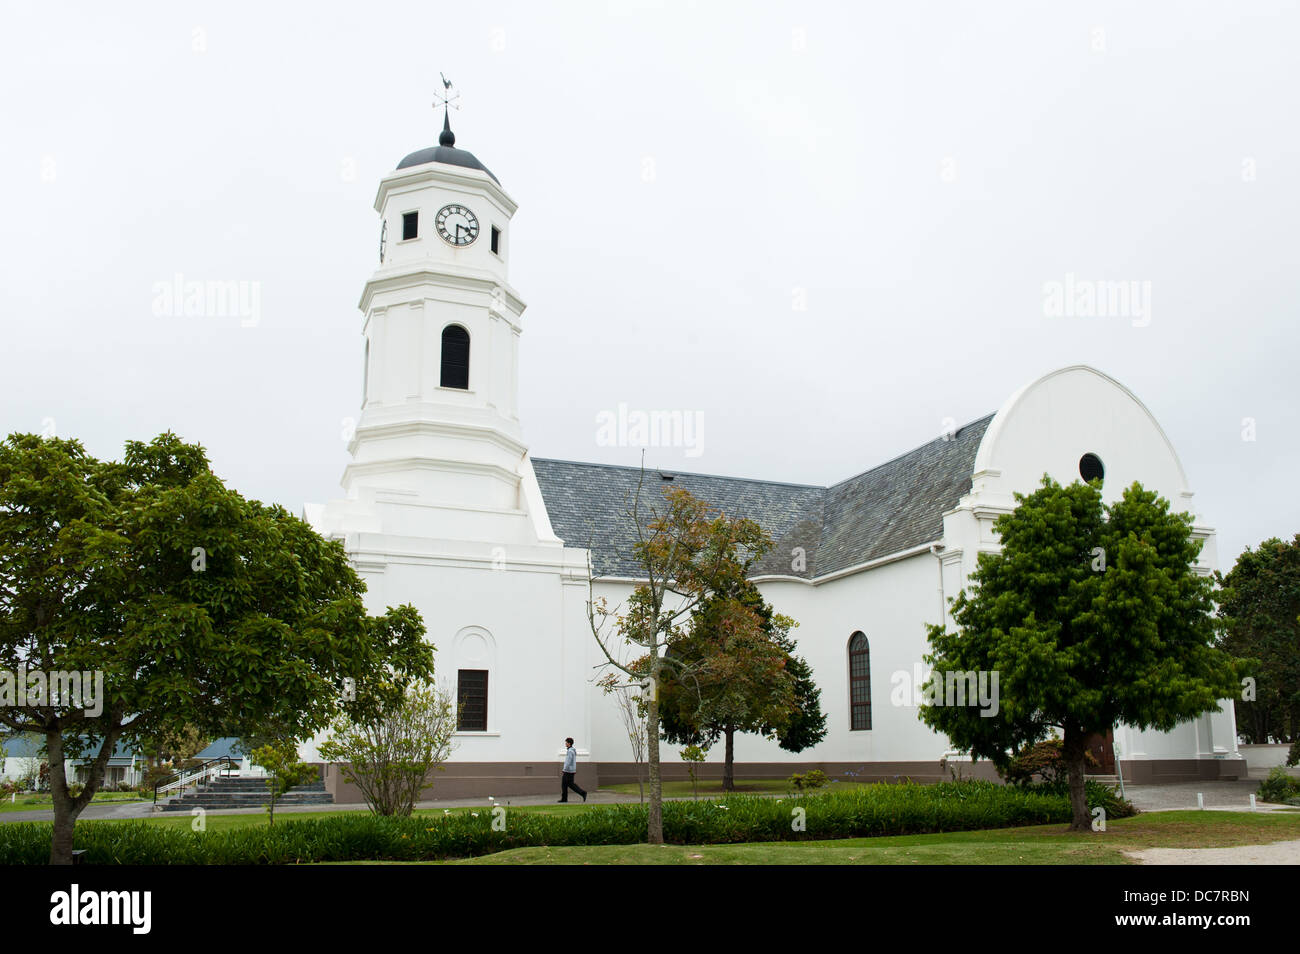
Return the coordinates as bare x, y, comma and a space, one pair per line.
694, 756
284, 770
391, 756
1259, 618
1091, 616
806, 725
193, 605
684, 551
739, 675
174, 745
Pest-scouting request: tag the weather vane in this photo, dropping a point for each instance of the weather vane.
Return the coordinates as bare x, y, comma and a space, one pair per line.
446, 99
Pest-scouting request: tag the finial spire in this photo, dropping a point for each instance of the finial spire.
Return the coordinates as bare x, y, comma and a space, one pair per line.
447, 100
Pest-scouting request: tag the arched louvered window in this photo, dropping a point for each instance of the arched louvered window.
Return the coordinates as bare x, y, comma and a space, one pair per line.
455, 357
859, 682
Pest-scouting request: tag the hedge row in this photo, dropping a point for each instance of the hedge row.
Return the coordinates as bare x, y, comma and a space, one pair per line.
872, 810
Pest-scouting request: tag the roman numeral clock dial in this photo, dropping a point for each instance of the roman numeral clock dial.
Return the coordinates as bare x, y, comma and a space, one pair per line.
457, 225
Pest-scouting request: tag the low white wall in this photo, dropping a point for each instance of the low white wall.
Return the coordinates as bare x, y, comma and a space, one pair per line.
1265, 757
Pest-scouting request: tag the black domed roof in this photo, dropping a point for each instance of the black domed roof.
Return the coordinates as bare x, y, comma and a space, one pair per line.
447, 152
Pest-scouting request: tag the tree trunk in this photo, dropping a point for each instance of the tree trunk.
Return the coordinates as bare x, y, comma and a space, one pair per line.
655, 813
729, 765
1074, 749
66, 808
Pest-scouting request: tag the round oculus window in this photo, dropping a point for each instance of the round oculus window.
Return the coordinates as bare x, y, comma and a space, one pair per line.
1090, 468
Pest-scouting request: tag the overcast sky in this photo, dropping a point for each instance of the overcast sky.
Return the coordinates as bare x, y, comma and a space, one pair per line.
823, 228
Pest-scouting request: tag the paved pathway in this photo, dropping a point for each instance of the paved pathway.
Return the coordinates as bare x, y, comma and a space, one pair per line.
102, 810
1219, 795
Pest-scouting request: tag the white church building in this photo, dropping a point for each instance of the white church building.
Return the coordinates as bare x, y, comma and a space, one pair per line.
445, 508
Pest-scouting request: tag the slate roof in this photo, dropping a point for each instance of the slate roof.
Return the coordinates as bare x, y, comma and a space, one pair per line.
898, 505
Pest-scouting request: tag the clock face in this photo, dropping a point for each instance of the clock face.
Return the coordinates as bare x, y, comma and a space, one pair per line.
457, 225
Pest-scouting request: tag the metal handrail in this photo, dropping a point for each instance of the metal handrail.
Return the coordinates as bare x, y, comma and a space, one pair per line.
185, 777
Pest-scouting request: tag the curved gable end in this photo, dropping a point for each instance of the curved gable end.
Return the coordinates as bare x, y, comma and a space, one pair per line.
1048, 426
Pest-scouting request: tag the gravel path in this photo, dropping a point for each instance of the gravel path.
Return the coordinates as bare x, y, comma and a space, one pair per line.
1218, 796
1278, 853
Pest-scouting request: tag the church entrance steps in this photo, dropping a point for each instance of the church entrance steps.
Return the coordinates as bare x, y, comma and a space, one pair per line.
231, 793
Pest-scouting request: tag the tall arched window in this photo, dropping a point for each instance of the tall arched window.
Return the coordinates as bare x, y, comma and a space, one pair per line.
455, 357
859, 682
473, 652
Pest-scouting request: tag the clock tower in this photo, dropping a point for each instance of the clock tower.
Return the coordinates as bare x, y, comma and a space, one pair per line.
442, 509
438, 450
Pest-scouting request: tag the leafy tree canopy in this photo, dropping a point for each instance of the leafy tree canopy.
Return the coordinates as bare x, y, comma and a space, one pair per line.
1259, 618
735, 671
202, 610
1091, 615
684, 551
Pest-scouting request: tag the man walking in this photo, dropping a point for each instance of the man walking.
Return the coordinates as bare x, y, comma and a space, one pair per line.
570, 770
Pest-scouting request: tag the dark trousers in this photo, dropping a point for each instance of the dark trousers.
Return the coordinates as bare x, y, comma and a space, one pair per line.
569, 783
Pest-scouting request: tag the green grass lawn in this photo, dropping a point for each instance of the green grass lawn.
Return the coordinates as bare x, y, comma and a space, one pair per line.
1039, 845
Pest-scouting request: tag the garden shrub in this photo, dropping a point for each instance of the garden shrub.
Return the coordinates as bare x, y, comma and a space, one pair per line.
1278, 787
809, 781
1098, 795
1046, 760
902, 809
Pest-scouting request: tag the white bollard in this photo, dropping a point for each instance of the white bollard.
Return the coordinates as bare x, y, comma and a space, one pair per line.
1200, 801
1252, 802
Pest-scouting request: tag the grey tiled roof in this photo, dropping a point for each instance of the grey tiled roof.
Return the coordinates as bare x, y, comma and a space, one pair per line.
889, 508
28, 746
221, 748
